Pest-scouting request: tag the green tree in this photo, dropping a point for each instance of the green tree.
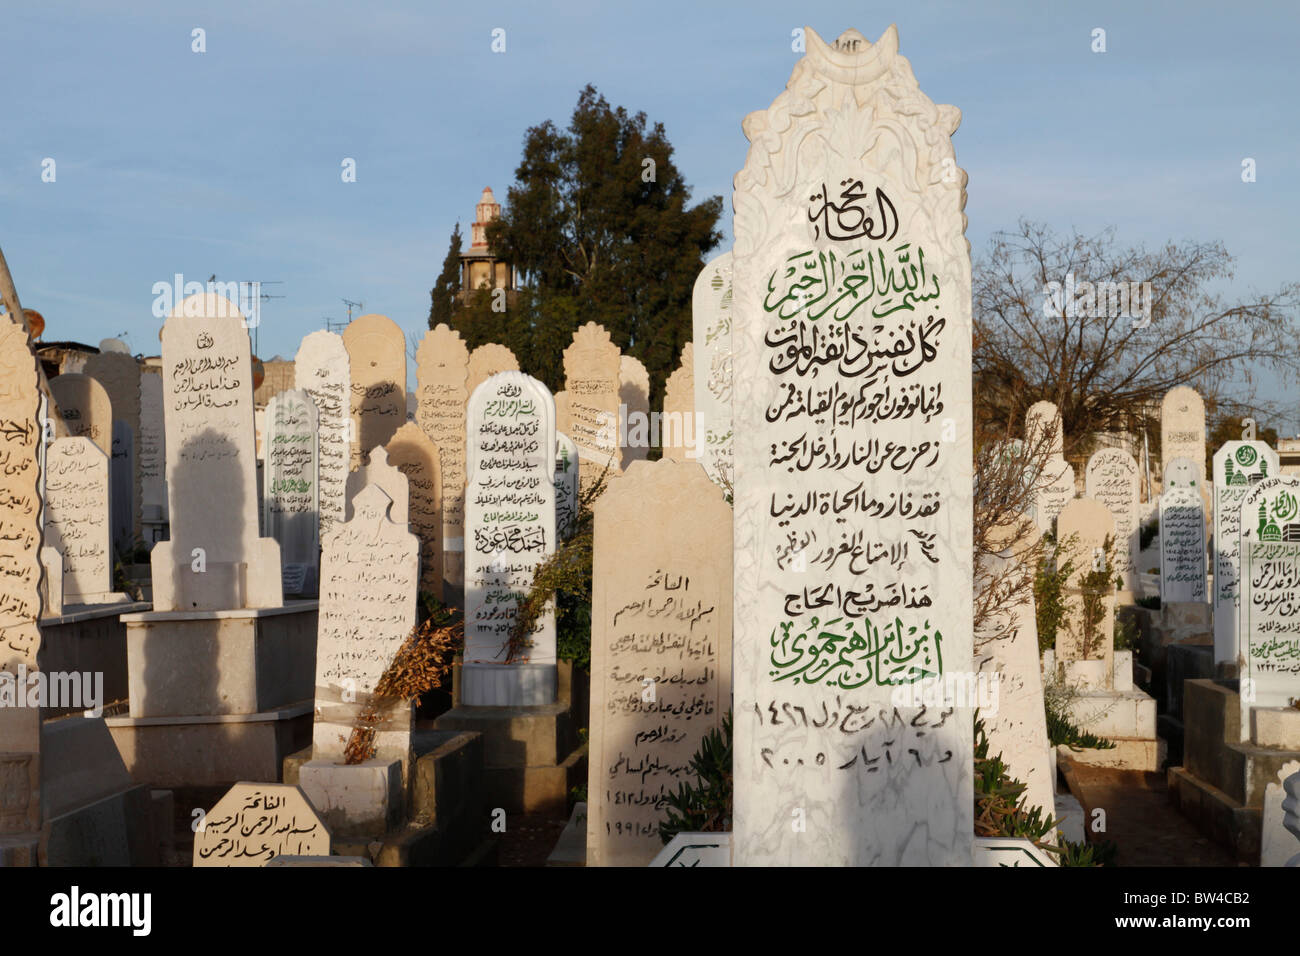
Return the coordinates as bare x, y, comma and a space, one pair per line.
599, 226
443, 294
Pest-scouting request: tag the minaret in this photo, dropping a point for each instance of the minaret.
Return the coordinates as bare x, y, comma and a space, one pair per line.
480, 267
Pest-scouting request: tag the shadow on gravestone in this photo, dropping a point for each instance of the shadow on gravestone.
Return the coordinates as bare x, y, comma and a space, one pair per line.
207, 548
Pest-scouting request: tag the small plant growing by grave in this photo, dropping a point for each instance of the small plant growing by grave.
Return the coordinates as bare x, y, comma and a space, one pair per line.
1095, 587
706, 806
565, 578
1151, 602
1000, 811
421, 664
1057, 696
1049, 592
1126, 631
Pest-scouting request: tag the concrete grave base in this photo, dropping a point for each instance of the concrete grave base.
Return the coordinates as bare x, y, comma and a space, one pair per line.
444, 821
94, 814
206, 663
533, 756
1222, 784
211, 750
508, 685
88, 639
355, 800
1127, 718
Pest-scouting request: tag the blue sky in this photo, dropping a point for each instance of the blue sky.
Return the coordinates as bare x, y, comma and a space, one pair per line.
228, 162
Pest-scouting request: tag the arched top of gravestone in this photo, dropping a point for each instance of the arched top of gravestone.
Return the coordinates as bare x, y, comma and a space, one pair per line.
443, 353
487, 360
679, 390
1271, 510
411, 439
205, 309
1181, 473
592, 354
633, 382
376, 346
712, 291
916, 157
668, 480
381, 474
528, 388
114, 345
291, 402
1040, 417
1087, 517
1183, 401
1241, 464
320, 350
85, 406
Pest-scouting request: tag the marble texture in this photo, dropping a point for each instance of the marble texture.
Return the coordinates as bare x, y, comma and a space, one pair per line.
711, 329
1238, 466
377, 364
442, 373
256, 822
852, 161
291, 488
215, 558
509, 528
321, 370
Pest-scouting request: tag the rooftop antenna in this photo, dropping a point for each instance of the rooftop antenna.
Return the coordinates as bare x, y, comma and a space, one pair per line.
334, 325
353, 305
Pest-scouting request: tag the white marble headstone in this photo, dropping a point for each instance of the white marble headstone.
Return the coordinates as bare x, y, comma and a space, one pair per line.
291, 488
1182, 535
1112, 478
1238, 466
851, 178
321, 370
76, 518
566, 486
510, 529
711, 326
215, 558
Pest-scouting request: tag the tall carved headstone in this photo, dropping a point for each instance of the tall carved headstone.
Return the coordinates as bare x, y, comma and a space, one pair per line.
321, 369
1268, 658
20, 589
369, 577
488, 360
1182, 535
385, 475
377, 363
711, 324
1006, 650
591, 382
119, 373
76, 518
634, 410
442, 370
291, 488
1112, 478
851, 173
412, 453
83, 402
1238, 467
679, 429
215, 558
152, 458
660, 650
509, 529
1182, 428
1056, 482
566, 486
121, 470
